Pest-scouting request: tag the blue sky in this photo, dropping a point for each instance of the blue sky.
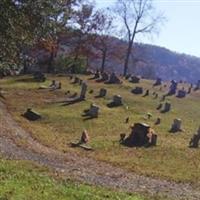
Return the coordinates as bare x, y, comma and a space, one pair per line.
181, 31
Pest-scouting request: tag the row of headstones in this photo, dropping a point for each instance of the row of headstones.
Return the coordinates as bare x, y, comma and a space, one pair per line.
106, 78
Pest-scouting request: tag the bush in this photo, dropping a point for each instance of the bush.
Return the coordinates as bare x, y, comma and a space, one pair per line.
67, 64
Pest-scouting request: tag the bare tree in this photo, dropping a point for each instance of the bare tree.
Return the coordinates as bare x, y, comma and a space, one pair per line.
103, 40
138, 17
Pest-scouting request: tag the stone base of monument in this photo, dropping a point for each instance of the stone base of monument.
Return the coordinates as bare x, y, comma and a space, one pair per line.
83, 146
141, 136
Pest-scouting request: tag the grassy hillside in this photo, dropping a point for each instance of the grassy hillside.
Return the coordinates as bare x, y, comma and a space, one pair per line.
23, 180
61, 124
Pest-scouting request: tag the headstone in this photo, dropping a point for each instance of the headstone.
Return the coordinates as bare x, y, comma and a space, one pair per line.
181, 93
134, 79
93, 111
176, 126
83, 90
84, 137
55, 85
102, 92
113, 79
137, 90
194, 142
158, 121
172, 88
141, 135
146, 93
97, 74
117, 100
189, 90
197, 86
104, 77
31, 115
158, 82
167, 107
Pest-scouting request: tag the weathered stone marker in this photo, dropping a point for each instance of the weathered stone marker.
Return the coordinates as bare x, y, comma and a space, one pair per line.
158, 82
117, 100
176, 126
31, 115
194, 142
93, 111
167, 107
137, 90
83, 90
181, 93
102, 92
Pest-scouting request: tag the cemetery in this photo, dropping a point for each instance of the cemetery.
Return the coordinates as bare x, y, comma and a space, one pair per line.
58, 123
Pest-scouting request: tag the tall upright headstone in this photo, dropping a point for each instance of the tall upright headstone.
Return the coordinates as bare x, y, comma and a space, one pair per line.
83, 90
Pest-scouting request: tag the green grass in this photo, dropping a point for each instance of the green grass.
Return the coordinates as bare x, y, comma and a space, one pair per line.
23, 180
171, 159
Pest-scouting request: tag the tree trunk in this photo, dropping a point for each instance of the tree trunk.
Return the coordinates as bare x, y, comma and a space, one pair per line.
51, 68
103, 61
127, 57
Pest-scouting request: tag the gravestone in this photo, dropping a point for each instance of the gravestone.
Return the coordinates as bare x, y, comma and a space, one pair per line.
176, 126
172, 88
137, 90
102, 92
146, 93
32, 115
189, 90
141, 135
158, 121
83, 90
181, 93
113, 79
97, 74
197, 86
158, 82
93, 111
84, 137
194, 142
117, 100
134, 79
104, 77
167, 107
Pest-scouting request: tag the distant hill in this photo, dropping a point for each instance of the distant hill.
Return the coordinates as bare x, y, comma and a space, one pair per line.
149, 61
153, 61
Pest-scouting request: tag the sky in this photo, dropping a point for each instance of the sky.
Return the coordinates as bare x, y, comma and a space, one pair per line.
181, 30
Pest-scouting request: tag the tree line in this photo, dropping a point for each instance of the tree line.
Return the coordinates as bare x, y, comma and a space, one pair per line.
26, 23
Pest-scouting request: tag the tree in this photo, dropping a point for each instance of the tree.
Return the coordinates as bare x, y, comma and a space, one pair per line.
138, 17
83, 24
24, 23
103, 40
